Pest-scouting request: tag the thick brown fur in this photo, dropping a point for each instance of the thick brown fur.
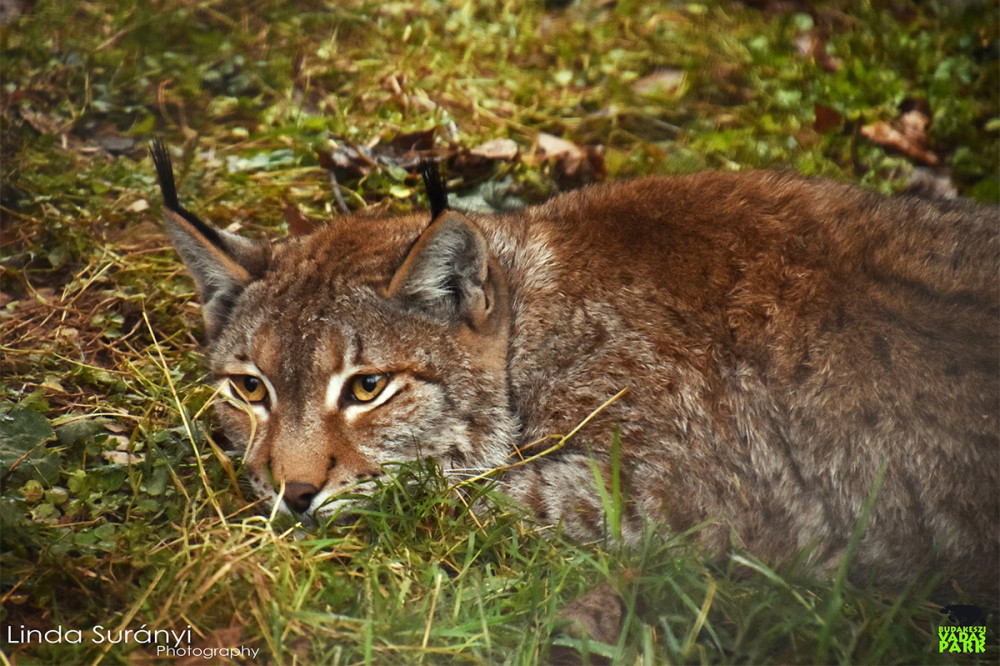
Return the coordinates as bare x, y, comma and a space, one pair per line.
787, 345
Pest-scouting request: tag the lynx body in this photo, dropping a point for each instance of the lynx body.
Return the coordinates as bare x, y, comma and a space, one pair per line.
786, 345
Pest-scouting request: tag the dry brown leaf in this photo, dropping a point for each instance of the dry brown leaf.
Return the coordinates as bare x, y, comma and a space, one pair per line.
42, 123
404, 150
576, 163
298, 223
907, 135
812, 44
122, 458
548, 147
826, 118
661, 83
496, 149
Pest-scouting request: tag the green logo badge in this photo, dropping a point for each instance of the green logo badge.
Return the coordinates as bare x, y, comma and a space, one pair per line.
962, 639
969, 637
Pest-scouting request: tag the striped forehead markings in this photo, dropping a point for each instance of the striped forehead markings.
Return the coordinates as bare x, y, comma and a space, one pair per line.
334, 388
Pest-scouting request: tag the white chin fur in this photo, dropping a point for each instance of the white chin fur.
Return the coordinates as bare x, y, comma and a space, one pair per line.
323, 506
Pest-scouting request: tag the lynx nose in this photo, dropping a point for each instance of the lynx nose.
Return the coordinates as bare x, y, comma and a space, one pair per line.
298, 495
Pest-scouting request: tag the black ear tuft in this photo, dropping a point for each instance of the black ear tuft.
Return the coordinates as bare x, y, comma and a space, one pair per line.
221, 263
165, 174
437, 194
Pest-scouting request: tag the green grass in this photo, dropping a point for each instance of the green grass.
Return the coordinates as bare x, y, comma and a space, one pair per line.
119, 507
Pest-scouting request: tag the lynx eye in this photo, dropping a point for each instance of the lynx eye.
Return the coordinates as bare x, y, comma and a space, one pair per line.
248, 387
365, 388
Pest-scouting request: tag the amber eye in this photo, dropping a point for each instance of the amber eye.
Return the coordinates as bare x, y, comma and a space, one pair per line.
365, 388
250, 388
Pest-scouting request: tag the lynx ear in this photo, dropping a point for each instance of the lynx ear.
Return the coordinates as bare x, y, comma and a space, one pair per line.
221, 263
446, 273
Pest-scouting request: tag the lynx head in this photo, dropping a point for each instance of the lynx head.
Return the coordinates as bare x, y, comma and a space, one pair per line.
364, 343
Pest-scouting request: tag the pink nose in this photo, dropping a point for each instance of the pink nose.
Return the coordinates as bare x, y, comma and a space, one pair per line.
298, 496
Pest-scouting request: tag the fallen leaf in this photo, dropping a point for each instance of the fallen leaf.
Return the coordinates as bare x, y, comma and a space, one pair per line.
496, 149
548, 147
914, 124
826, 118
661, 83
42, 123
576, 163
116, 144
298, 223
121, 458
351, 160
123, 441
812, 44
405, 151
907, 134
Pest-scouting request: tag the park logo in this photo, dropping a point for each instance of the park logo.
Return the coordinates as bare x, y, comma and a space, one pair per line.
970, 634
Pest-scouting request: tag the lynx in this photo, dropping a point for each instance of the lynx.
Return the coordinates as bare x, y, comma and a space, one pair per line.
793, 350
